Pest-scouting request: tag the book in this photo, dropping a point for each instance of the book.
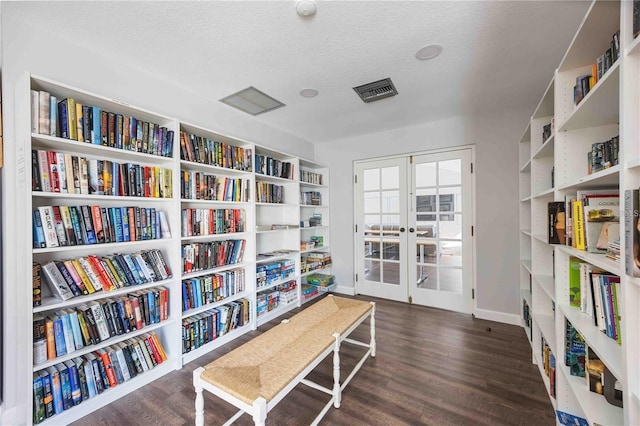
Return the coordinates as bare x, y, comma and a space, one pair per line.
35, 111
65, 385
598, 209
632, 232
39, 240
48, 226
38, 399
56, 389
578, 224
56, 282
36, 273
47, 388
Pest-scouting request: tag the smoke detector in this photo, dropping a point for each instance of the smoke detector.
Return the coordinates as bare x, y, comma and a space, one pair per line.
306, 8
377, 90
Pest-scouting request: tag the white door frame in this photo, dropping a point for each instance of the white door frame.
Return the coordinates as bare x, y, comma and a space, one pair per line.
473, 262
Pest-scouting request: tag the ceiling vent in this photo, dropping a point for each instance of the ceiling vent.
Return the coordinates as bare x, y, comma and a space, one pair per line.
252, 101
377, 90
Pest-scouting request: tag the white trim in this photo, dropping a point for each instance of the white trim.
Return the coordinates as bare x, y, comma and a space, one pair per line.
486, 314
342, 289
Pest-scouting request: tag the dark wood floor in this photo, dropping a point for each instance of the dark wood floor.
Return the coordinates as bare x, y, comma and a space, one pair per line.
432, 367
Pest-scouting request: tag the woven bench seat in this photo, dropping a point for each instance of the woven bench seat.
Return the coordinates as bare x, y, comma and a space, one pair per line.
258, 374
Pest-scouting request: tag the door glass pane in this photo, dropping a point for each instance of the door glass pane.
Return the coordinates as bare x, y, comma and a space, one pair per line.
390, 273
391, 219
371, 179
451, 280
371, 202
450, 172
390, 201
425, 202
450, 253
450, 199
427, 277
390, 177
426, 174
450, 226
390, 249
372, 270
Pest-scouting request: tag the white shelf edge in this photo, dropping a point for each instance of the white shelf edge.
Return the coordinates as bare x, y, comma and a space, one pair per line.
527, 264
601, 175
231, 235
108, 342
60, 304
113, 246
196, 274
543, 193
546, 282
215, 343
595, 259
195, 311
127, 198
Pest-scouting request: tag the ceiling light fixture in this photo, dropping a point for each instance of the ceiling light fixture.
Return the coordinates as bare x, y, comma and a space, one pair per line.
308, 93
306, 8
252, 101
429, 51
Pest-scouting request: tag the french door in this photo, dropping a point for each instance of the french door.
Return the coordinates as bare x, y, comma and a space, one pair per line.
414, 218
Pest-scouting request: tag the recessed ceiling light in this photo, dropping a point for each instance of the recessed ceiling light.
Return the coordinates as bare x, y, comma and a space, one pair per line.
309, 93
429, 51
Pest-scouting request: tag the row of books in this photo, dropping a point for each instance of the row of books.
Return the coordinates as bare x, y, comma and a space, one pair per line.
60, 226
69, 119
587, 220
212, 221
212, 254
583, 361
603, 155
87, 275
311, 198
64, 331
315, 241
271, 272
310, 177
596, 292
549, 365
526, 314
62, 386
206, 151
204, 186
201, 291
584, 83
53, 171
314, 260
269, 193
307, 291
198, 330
269, 166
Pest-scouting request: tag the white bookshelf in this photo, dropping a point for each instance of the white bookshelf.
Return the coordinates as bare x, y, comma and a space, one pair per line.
610, 108
256, 215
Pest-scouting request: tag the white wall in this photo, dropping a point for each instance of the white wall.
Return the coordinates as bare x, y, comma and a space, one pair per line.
495, 137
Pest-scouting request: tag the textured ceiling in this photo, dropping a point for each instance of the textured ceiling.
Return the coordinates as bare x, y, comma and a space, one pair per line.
497, 54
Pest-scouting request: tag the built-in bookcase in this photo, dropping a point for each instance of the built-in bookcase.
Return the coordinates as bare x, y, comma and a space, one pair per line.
167, 329
315, 242
277, 231
217, 212
218, 209
555, 170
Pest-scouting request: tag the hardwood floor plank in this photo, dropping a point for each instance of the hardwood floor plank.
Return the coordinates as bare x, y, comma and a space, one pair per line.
432, 367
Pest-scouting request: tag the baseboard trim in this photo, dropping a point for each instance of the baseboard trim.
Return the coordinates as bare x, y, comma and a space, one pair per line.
498, 317
350, 291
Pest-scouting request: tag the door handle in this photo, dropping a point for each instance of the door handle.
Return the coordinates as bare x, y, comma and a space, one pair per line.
411, 229
401, 229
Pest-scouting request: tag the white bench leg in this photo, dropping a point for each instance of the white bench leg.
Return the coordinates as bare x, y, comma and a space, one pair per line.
373, 329
337, 392
199, 397
260, 411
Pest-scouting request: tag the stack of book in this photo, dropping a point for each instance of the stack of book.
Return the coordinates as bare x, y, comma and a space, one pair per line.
90, 274
69, 119
64, 385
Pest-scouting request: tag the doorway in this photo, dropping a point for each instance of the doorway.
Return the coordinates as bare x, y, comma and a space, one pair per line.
414, 225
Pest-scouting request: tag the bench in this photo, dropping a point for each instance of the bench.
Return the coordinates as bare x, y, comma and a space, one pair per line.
256, 376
